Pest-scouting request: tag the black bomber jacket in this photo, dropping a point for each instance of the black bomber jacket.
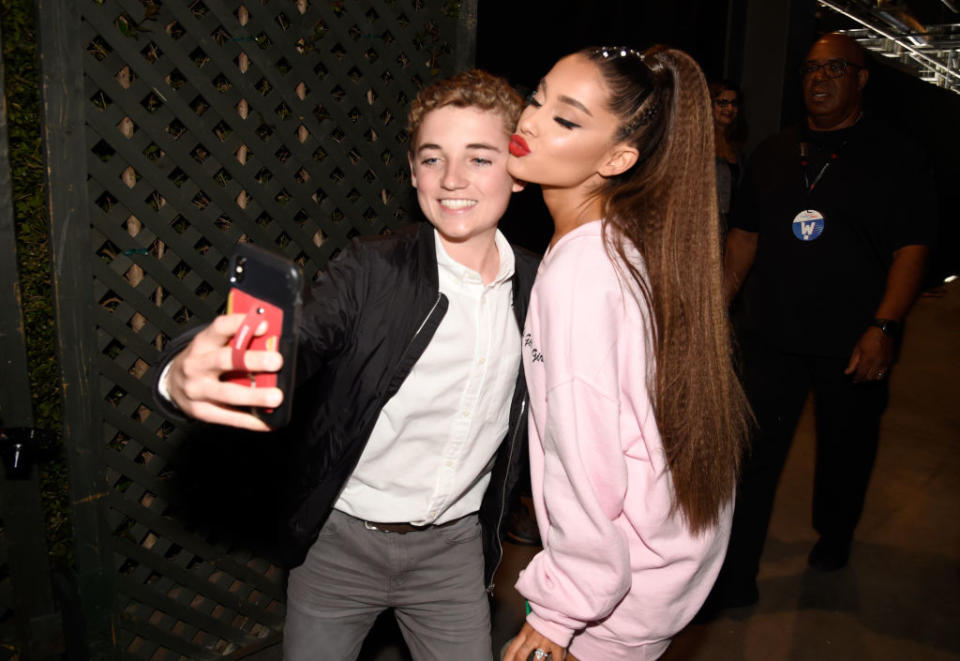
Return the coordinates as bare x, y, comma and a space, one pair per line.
365, 323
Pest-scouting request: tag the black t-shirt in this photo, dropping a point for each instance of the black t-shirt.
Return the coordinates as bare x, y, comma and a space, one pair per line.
816, 284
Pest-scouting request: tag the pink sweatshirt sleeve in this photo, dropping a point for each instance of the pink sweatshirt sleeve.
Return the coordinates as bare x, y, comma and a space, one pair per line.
579, 470
584, 570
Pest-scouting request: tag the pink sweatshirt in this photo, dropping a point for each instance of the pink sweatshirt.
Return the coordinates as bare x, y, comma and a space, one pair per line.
620, 572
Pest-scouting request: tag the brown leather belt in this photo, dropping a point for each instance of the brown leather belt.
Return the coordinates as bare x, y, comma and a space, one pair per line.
404, 528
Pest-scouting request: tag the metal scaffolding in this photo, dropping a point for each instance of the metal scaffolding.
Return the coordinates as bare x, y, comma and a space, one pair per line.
931, 52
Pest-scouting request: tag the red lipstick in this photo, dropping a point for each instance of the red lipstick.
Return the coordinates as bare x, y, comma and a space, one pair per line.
518, 146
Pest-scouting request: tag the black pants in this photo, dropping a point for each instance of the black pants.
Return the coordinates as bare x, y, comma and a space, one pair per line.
847, 426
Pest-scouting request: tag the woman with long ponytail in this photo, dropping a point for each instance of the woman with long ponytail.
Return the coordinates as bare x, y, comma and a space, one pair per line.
637, 420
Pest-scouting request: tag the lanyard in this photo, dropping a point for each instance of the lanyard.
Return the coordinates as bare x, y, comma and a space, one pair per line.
807, 185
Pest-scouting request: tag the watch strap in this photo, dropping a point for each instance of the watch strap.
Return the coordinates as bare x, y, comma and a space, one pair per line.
889, 327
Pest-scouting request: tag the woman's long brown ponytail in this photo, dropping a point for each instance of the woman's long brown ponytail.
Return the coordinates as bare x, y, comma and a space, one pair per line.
666, 206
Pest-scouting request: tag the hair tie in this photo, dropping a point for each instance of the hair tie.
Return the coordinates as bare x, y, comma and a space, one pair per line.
653, 61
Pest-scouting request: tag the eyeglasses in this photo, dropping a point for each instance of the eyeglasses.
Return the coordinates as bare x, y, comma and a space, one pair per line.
831, 68
723, 103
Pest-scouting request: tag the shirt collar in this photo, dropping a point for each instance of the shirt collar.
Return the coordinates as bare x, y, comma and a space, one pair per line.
461, 272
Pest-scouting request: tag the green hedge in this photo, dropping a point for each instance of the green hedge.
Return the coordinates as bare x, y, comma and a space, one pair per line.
24, 112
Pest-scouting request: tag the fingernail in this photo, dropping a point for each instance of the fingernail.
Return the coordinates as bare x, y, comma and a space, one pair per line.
274, 362
274, 398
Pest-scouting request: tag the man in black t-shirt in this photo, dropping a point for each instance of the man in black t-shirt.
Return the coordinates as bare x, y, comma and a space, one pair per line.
832, 224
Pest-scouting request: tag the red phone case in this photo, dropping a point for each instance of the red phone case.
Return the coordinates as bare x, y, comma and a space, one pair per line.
245, 339
267, 288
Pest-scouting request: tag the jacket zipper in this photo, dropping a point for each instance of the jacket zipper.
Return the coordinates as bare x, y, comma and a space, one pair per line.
423, 323
410, 343
503, 492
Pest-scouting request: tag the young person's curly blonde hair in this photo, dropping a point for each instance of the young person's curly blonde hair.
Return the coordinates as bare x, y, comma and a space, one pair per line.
470, 89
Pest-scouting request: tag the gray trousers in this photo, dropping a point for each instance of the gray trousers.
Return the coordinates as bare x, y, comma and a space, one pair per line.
433, 579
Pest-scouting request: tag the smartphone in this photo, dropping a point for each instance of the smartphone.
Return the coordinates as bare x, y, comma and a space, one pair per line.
267, 288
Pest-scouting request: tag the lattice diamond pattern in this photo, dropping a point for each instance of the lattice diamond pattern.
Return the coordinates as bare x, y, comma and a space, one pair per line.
279, 122
7, 615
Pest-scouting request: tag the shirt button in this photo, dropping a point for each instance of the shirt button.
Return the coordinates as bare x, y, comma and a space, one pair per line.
481, 361
466, 414
449, 464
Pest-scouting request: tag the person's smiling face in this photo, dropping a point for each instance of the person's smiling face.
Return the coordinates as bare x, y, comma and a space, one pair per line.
725, 107
458, 166
567, 130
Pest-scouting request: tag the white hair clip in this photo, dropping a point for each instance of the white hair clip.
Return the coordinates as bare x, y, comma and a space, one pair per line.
611, 51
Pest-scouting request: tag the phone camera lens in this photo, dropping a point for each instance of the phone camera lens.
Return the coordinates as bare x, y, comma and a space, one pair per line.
238, 270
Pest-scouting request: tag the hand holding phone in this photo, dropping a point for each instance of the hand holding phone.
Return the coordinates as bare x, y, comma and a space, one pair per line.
194, 379
239, 370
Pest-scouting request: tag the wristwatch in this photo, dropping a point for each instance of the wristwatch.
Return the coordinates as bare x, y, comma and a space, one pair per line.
890, 327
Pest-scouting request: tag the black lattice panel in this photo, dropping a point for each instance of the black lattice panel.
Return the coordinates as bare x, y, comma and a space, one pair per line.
209, 123
7, 622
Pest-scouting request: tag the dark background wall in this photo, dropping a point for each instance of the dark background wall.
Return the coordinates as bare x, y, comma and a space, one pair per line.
757, 43
522, 39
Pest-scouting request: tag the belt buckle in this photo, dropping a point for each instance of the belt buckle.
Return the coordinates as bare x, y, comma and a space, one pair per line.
388, 527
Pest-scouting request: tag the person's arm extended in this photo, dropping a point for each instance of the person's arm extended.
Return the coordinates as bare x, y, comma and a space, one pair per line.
741, 249
191, 372
874, 351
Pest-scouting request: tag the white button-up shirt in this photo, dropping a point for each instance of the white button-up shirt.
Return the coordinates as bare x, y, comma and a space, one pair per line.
429, 457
